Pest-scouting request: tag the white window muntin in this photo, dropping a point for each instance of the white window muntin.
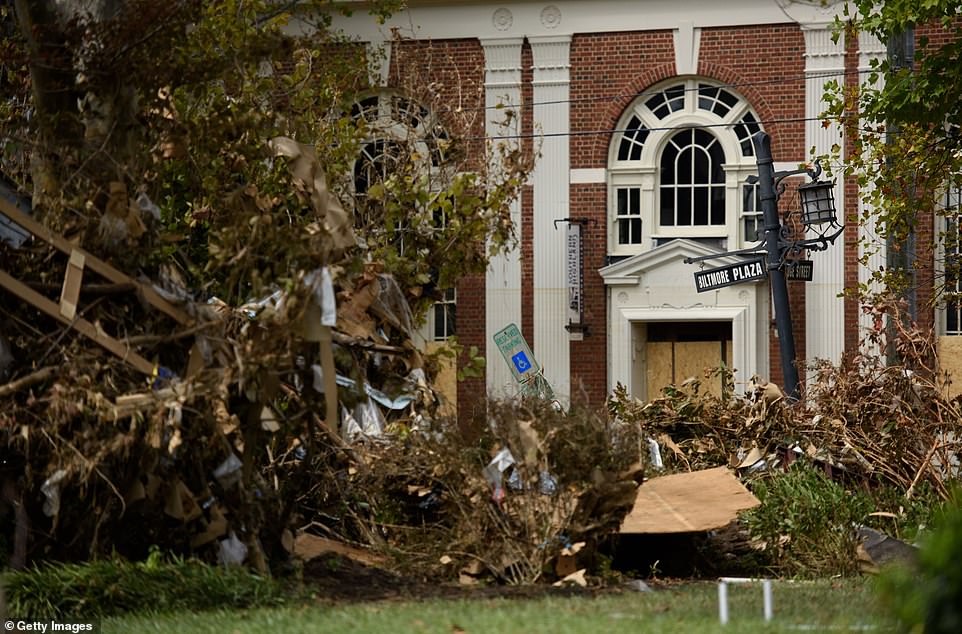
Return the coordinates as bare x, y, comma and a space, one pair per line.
637, 166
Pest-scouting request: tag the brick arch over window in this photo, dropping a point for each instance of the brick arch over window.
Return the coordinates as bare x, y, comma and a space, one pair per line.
742, 85
608, 118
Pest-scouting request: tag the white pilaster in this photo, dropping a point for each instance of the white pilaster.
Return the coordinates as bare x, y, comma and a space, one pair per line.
869, 48
379, 61
824, 309
502, 86
551, 82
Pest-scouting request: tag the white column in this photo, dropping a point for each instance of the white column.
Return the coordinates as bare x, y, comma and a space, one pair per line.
379, 62
869, 48
550, 179
502, 291
824, 309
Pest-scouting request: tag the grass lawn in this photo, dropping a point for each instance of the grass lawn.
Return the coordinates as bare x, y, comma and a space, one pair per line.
824, 606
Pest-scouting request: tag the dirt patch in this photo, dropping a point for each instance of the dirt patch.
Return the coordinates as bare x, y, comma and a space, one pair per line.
339, 579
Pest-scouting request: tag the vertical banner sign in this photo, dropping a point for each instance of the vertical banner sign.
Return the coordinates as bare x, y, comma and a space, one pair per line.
575, 281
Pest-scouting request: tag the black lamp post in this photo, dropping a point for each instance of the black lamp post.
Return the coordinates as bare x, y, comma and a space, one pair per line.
817, 212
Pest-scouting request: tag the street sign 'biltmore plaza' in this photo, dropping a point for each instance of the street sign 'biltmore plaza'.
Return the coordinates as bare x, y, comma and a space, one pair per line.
748, 271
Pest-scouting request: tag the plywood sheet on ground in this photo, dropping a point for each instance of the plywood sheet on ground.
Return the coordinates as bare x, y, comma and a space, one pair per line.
688, 502
307, 547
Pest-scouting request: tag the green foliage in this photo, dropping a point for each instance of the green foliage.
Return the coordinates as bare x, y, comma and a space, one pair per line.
180, 102
930, 600
104, 588
805, 522
901, 128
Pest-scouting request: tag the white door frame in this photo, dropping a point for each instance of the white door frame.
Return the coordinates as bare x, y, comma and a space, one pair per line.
620, 344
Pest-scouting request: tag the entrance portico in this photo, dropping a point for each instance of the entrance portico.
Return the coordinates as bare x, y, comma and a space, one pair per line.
658, 287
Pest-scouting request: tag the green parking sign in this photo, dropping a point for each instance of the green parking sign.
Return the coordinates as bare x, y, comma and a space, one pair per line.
516, 352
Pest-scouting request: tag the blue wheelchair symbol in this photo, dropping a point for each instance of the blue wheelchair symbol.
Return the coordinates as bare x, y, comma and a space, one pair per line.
521, 362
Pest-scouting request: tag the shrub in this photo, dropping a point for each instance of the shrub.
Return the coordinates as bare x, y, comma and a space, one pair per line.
805, 522
930, 599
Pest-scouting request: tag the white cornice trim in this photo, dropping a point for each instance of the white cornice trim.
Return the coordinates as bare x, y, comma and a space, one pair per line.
629, 271
444, 20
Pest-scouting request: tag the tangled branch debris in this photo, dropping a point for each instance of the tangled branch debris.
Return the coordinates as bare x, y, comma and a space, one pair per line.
865, 421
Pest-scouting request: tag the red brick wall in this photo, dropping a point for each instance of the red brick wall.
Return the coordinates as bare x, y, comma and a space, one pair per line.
454, 71
766, 64
852, 309
471, 332
607, 71
589, 357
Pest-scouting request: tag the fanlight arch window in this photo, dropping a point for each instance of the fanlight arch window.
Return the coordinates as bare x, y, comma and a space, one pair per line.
677, 167
399, 135
402, 138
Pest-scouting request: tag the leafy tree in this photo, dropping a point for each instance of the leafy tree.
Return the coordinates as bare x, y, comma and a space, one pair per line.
113, 102
902, 122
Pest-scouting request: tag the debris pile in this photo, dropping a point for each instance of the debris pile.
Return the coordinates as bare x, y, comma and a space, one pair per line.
139, 413
515, 505
864, 421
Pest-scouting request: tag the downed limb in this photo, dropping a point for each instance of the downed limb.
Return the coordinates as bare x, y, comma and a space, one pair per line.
37, 376
355, 342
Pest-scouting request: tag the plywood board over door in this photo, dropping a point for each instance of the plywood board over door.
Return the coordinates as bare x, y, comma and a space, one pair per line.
672, 362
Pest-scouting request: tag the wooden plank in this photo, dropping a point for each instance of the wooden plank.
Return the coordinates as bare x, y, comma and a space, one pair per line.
82, 326
688, 502
307, 547
72, 279
92, 262
692, 358
660, 369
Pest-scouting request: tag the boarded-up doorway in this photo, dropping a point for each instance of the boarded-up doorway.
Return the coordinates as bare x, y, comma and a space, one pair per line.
676, 351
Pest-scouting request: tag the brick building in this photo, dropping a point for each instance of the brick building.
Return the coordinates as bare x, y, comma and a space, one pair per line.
643, 113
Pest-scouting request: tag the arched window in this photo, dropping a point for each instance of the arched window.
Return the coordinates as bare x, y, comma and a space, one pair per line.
677, 168
692, 181
401, 138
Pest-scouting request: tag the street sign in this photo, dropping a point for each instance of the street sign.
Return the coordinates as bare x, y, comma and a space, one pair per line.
748, 271
516, 352
799, 270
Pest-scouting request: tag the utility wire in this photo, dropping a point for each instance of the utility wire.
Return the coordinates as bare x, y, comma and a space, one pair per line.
652, 93
693, 126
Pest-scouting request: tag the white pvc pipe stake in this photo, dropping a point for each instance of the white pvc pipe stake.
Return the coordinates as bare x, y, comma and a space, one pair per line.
767, 607
767, 598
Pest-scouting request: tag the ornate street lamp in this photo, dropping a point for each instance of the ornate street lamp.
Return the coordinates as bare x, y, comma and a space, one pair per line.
817, 213
818, 202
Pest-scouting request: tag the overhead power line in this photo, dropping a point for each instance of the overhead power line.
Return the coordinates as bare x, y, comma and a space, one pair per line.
651, 93
608, 131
